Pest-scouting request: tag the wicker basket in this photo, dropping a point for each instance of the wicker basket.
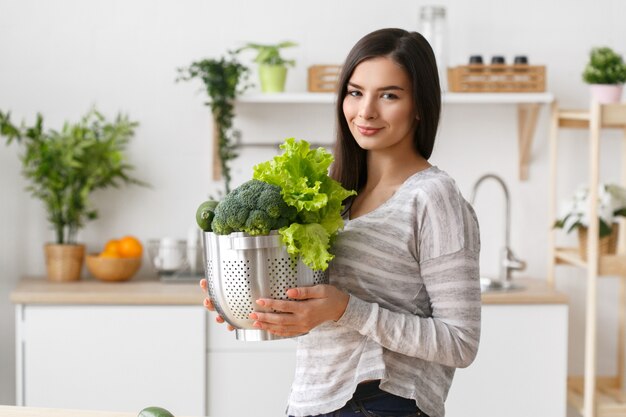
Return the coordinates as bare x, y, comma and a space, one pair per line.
607, 244
497, 78
64, 262
241, 269
323, 78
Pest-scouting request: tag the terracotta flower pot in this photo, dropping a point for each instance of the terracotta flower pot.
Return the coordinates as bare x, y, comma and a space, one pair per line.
606, 246
64, 262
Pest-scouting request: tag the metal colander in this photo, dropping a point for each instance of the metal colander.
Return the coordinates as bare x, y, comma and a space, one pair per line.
241, 269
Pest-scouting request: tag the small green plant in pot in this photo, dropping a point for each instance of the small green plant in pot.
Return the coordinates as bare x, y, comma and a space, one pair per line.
272, 66
224, 79
575, 215
64, 167
606, 74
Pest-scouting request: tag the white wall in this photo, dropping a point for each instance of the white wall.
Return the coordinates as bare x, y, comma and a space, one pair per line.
61, 57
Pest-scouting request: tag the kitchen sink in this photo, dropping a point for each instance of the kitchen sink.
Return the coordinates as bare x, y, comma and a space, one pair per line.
495, 285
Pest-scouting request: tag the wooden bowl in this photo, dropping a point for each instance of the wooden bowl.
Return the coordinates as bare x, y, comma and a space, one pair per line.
112, 269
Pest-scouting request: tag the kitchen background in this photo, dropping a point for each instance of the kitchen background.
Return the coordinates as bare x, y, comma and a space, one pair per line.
62, 57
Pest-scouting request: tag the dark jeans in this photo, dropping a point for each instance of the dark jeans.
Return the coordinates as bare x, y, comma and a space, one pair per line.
370, 401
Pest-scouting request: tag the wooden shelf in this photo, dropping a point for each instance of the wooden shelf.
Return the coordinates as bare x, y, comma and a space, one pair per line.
287, 98
611, 116
528, 106
592, 396
498, 98
610, 400
608, 265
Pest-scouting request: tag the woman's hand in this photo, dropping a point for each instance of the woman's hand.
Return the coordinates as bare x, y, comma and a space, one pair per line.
209, 305
316, 305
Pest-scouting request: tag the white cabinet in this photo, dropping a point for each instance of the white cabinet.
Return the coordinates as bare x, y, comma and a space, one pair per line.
521, 367
248, 378
117, 358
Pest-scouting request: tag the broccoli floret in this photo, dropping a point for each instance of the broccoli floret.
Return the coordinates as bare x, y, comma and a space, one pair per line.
255, 207
257, 223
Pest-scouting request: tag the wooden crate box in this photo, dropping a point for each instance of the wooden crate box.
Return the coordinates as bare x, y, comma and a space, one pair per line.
497, 78
323, 78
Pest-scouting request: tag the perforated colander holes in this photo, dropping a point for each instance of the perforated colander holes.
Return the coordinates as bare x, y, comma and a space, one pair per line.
319, 277
237, 287
282, 276
211, 278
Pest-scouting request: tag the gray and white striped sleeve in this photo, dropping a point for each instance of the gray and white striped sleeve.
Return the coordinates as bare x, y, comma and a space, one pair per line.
448, 247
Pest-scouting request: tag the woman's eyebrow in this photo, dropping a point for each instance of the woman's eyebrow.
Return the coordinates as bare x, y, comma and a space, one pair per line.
387, 88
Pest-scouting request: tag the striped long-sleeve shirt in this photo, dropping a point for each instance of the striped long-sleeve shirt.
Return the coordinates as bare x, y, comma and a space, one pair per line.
411, 269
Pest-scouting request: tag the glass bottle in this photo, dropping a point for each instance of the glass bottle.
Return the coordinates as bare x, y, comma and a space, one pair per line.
432, 25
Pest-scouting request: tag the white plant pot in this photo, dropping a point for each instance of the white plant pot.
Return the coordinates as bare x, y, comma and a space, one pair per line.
606, 93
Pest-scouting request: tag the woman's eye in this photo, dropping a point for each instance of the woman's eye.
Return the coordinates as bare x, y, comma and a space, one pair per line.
354, 93
390, 96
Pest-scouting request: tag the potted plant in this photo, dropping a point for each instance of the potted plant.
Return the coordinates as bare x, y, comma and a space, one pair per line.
575, 216
224, 79
272, 66
606, 73
64, 168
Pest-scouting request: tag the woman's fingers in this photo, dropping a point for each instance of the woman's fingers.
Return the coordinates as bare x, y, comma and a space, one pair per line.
221, 320
208, 304
279, 324
279, 305
281, 329
295, 317
273, 318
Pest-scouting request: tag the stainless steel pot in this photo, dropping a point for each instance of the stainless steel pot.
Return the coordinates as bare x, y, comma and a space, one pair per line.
241, 269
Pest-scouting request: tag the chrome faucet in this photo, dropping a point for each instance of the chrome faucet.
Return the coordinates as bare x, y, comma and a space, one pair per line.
508, 261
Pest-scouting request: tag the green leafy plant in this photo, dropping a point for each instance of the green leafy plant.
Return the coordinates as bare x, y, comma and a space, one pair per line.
604, 67
64, 167
224, 79
270, 54
575, 212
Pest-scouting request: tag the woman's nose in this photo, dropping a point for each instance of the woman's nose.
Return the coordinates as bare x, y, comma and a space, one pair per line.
367, 110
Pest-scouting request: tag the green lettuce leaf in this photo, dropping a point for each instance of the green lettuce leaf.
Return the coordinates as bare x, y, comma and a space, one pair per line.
302, 174
310, 242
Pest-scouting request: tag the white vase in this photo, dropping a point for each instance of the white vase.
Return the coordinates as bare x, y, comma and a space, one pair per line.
606, 93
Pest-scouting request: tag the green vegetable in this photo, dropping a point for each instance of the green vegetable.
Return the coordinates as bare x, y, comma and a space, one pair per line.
155, 412
302, 175
205, 214
255, 207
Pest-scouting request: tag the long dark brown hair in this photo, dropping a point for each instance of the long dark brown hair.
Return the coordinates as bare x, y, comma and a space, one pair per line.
411, 51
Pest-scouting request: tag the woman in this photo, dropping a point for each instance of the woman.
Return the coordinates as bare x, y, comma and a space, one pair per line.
402, 310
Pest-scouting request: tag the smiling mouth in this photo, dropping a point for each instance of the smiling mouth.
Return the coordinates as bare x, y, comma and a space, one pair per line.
368, 131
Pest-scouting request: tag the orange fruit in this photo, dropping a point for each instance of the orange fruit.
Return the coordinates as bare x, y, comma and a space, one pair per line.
111, 249
129, 247
112, 246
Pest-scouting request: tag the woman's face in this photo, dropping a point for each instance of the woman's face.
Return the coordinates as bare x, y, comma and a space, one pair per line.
379, 106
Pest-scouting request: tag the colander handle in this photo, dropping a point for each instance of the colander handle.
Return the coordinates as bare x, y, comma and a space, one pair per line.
253, 242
